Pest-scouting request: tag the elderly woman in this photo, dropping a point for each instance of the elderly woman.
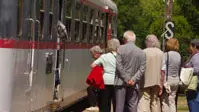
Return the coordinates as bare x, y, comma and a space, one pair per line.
108, 61
170, 69
193, 61
92, 92
151, 83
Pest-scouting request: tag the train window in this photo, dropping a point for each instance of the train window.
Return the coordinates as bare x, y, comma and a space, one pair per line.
42, 5
91, 16
103, 24
81, 23
68, 27
96, 27
85, 23
47, 21
41, 23
37, 22
113, 26
46, 18
85, 13
84, 29
77, 22
77, 10
91, 26
51, 5
91, 34
20, 18
76, 34
68, 8
68, 18
50, 24
42, 8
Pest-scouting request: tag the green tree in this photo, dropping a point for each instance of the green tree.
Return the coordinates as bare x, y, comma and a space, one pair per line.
147, 16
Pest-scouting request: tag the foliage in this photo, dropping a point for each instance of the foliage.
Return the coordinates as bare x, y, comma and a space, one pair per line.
147, 16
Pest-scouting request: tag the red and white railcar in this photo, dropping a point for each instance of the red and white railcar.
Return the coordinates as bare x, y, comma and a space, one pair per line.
31, 51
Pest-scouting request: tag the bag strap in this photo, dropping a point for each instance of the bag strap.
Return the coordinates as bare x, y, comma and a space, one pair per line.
181, 65
113, 54
167, 65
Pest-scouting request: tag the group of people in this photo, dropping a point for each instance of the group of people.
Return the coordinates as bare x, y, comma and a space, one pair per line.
137, 80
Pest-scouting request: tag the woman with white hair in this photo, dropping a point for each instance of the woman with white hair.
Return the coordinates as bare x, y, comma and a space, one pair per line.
108, 61
92, 91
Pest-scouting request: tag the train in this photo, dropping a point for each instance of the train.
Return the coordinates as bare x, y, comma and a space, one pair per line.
34, 55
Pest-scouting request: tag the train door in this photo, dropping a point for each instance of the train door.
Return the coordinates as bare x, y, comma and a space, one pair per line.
62, 36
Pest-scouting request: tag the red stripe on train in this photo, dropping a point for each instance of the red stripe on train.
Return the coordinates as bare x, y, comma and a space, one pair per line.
18, 44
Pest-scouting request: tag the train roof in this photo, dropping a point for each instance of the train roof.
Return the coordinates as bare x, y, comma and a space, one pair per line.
105, 4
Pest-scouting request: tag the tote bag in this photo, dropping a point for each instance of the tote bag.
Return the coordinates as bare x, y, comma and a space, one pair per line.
186, 75
193, 83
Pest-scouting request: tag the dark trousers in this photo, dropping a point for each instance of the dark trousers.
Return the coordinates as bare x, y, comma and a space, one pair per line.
92, 95
126, 99
107, 96
193, 100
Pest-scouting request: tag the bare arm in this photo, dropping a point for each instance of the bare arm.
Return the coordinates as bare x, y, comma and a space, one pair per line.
98, 61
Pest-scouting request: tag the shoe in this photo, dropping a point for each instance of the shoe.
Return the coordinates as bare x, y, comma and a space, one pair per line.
96, 109
92, 109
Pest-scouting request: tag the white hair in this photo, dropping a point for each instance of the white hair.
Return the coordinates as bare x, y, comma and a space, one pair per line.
96, 49
129, 36
152, 41
113, 44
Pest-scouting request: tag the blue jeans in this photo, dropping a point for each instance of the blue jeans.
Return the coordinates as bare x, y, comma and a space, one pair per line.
193, 100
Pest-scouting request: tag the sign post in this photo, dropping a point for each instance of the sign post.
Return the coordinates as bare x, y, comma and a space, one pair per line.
169, 26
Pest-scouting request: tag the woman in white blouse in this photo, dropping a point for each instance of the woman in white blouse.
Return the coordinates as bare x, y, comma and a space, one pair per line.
108, 61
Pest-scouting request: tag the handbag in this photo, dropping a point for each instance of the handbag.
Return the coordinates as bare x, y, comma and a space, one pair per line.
186, 75
193, 83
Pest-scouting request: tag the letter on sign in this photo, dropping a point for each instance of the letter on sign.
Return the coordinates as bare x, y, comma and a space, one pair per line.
169, 33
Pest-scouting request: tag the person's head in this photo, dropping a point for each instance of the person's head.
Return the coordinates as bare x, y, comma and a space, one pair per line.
96, 51
113, 44
129, 36
172, 45
152, 41
194, 46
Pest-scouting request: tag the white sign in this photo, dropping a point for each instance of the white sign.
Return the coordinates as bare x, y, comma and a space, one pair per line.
169, 33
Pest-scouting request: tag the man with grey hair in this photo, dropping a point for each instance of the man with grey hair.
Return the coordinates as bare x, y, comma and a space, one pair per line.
130, 65
151, 82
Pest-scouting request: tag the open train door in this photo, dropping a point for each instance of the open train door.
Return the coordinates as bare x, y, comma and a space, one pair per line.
61, 63
62, 37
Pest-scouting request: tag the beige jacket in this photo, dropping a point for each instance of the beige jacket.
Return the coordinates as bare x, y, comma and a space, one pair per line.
152, 76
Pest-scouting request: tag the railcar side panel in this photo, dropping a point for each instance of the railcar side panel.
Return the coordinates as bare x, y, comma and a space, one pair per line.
21, 93
43, 79
76, 70
7, 68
